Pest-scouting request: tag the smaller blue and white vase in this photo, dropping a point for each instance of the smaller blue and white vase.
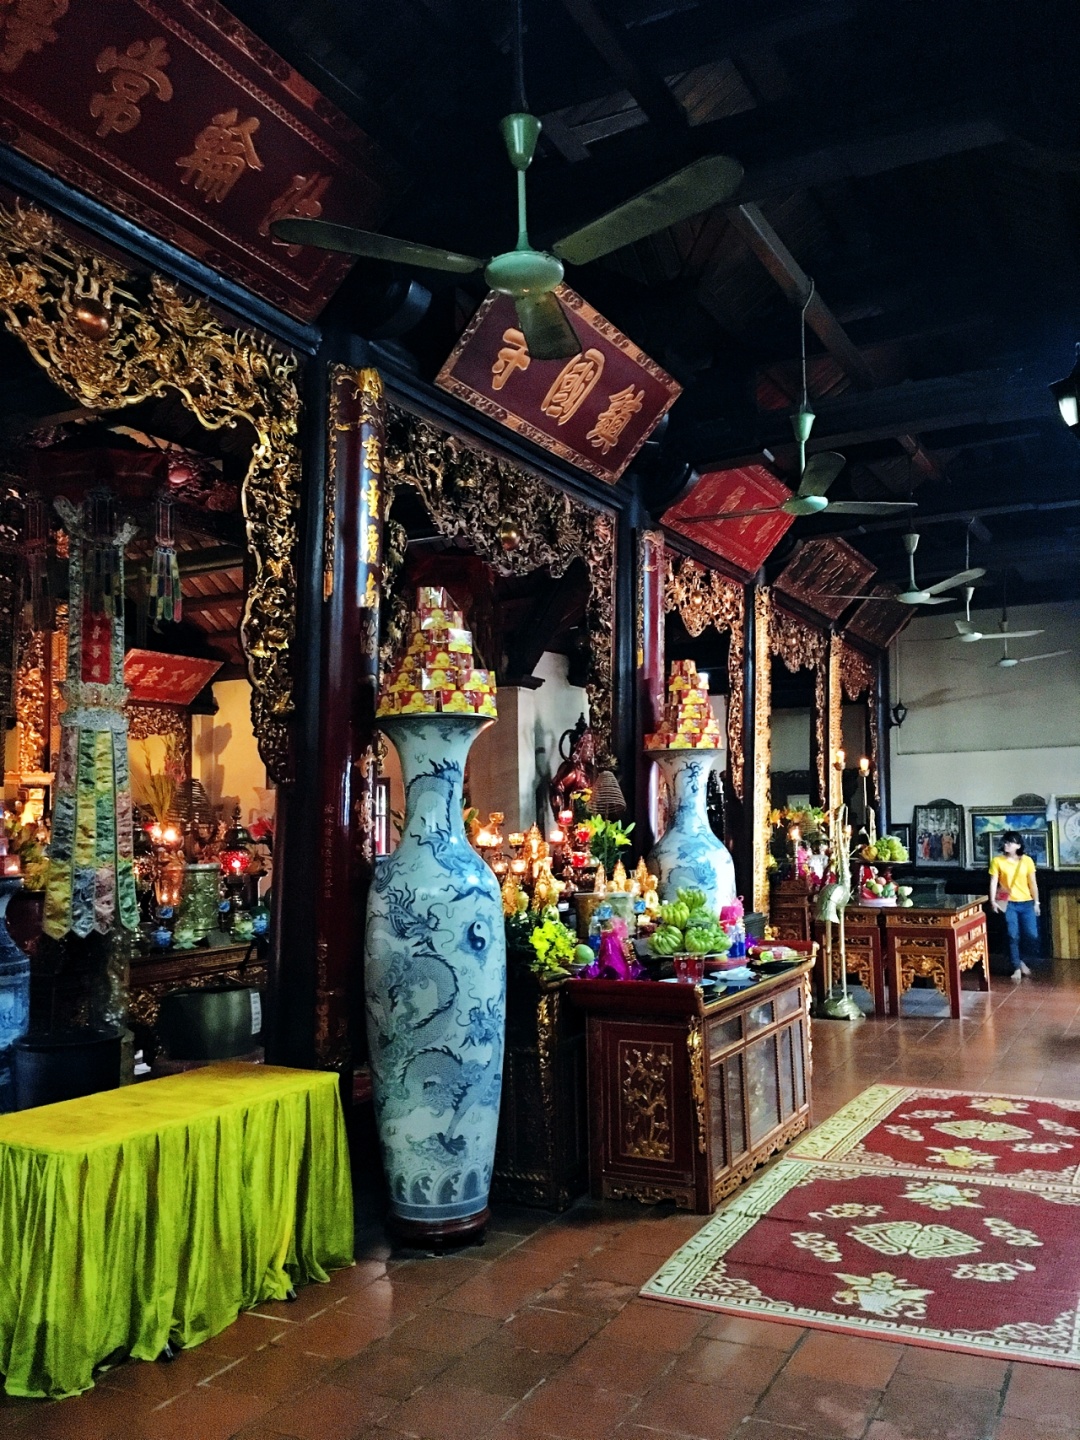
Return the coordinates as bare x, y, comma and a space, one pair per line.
688, 856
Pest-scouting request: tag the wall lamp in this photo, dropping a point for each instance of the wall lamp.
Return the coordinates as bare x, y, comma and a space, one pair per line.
1067, 394
897, 715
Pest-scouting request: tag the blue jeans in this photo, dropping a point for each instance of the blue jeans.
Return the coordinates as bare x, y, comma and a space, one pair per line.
1023, 926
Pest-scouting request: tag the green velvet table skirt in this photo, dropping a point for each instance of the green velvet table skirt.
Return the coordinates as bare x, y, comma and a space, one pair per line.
158, 1212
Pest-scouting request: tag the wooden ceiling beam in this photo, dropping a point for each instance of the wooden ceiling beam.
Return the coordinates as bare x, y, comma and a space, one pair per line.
979, 397
611, 43
763, 242
197, 603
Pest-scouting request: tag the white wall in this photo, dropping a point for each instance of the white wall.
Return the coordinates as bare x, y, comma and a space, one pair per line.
977, 734
791, 732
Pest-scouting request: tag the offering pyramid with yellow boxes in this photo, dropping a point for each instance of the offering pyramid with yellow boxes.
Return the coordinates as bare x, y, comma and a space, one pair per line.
688, 722
438, 673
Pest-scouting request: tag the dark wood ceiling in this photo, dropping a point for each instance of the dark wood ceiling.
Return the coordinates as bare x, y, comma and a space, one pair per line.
919, 160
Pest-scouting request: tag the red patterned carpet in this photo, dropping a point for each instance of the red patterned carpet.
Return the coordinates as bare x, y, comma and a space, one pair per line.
930, 1216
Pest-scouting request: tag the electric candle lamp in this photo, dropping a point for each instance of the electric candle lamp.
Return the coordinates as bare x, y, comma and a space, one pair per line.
170, 835
841, 758
556, 837
795, 833
566, 818
517, 839
519, 866
864, 766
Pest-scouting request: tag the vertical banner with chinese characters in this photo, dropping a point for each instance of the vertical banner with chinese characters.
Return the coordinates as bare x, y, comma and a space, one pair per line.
91, 881
596, 409
352, 570
172, 113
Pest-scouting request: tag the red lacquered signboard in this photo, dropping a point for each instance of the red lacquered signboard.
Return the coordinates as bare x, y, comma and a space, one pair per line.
166, 679
172, 113
595, 410
746, 543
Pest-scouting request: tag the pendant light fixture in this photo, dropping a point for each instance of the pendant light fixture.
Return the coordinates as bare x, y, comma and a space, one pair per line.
1067, 394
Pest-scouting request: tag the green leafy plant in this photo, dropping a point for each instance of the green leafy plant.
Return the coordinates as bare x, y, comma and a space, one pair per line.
606, 839
553, 946
688, 927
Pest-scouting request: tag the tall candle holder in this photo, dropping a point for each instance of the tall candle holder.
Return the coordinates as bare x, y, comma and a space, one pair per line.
833, 900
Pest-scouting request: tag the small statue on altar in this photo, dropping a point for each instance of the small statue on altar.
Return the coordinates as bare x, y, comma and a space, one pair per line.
577, 748
600, 885
546, 889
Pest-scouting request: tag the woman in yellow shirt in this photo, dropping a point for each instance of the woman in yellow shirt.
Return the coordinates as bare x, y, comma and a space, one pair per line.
1014, 893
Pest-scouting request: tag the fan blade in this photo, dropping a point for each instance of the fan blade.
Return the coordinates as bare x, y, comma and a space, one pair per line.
965, 627
1050, 655
698, 187
548, 333
973, 635
821, 470
869, 507
738, 514
964, 578
347, 241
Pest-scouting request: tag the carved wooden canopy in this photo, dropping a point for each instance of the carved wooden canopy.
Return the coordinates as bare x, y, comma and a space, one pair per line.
111, 338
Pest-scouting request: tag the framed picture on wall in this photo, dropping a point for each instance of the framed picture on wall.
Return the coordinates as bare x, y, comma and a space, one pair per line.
1067, 832
989, 823
903, 834
937, 834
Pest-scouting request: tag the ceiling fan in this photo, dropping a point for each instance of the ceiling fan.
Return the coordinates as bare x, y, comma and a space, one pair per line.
966, 633
528, 275
815, 474
1007, 661
930, 594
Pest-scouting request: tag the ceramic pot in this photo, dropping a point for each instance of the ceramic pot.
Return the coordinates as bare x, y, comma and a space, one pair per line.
14, 993
688, 855
435, 991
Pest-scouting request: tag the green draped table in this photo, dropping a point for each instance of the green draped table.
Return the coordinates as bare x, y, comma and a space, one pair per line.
156, 1213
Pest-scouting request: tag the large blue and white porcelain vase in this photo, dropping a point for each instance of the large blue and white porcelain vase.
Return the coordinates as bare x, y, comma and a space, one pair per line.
688, 856
435, 989
14, 993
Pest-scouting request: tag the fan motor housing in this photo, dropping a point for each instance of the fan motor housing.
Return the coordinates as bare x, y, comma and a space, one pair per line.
524, 272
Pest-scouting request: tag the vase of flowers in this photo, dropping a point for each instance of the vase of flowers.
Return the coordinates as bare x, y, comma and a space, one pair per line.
435, 991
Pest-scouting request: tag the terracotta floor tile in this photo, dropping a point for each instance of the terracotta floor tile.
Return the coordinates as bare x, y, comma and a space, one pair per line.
733, 1367
620, 1265
310, 1300
1040, 1392
587, 1296
932, 1411
866, 1363
508, 1286
247, 1333
574, 1412
744, 1331
502, 1369
450, 1412
445, 1332
650, 1323
677, 1405
278, 1370
614, 1365
209, 1414
386, 1368
92, 1416
557, 1331
328, 1412
1009, 1428
156, 1381
336, 1332
824, 1408
969, 1372
390, 1299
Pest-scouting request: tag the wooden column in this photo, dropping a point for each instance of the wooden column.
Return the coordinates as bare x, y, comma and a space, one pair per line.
649, 665
834, 701
352, 556
759, 737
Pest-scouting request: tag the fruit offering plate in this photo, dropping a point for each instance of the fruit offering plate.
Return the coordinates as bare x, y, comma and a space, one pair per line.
880, 901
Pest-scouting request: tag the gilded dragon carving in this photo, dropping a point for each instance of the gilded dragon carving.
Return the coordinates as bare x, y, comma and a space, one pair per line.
703, 597
111, 338
468, 493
